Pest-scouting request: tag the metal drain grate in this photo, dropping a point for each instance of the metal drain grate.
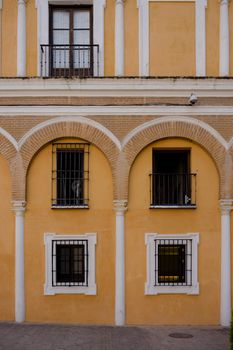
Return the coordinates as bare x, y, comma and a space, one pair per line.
180, 335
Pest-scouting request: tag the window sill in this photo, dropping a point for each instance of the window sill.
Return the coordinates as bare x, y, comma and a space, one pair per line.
69, 207
192, 206
90, 290
190, 290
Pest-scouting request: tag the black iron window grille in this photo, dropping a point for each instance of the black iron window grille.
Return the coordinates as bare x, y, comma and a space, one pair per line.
172, 183
173, 262
173, 190
69, 263
70, 175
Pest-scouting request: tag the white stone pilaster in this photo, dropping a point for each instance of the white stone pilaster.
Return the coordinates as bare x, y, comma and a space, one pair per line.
144, 49
98, 9
19, 209
21, 39
224, 68
119, 38
225, 299
201, 37
120, 207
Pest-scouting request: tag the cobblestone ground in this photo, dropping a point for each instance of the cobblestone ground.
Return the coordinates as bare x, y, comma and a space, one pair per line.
62, 337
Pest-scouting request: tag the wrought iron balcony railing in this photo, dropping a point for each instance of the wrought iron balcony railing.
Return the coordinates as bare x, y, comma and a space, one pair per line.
69, 60
172, 190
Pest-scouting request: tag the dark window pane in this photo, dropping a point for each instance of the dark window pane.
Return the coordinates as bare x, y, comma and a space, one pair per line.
70, 263
171, 263
70, 177
171, 178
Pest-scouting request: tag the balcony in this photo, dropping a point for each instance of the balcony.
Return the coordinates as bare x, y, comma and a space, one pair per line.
172, 190
69, 61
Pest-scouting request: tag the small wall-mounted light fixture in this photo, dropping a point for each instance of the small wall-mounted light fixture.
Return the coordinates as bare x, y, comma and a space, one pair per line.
193, 99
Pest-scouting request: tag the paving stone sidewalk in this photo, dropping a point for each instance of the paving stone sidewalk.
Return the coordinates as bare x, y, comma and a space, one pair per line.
63, 337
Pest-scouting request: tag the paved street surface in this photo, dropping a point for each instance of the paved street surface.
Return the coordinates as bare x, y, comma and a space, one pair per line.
62, 337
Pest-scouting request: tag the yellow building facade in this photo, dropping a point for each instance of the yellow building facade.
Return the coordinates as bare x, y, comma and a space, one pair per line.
116, 161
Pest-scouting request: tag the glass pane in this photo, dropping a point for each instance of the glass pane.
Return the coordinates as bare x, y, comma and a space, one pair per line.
82, 54
61, 54
81, 19
61, 37
81, 37
171, 263
61, 19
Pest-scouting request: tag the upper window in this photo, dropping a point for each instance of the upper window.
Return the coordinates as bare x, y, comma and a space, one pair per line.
172, 264
70, 175
70, 264
70, 51
172, 184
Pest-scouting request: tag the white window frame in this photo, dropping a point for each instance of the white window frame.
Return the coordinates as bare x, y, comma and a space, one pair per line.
150, 288
88, 290
98, 25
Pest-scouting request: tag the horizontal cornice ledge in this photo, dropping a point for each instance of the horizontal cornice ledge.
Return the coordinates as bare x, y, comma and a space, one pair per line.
122, 110
151, 87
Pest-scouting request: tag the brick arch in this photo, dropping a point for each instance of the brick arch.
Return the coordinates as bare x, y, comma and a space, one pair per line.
9, 150
187, 128
60, 129
230, 167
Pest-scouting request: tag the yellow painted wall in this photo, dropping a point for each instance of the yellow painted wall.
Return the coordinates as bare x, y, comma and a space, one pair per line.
109, 38
131, 39
172, 38
40, 218
31, 38
231, 256
231, 36
9, 38
7, 245
212, 38
173, 309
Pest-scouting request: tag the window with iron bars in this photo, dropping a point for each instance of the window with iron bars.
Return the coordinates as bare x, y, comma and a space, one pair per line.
69, 263
70, 175
172, 263
171, 183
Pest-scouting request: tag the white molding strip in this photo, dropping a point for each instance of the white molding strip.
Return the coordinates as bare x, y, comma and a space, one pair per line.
224, 62
43, 25
86, 111
21, 39
154, 87
98, 30
76, 119
119, 37
144, 44
191, 121
201, 37
144, 54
